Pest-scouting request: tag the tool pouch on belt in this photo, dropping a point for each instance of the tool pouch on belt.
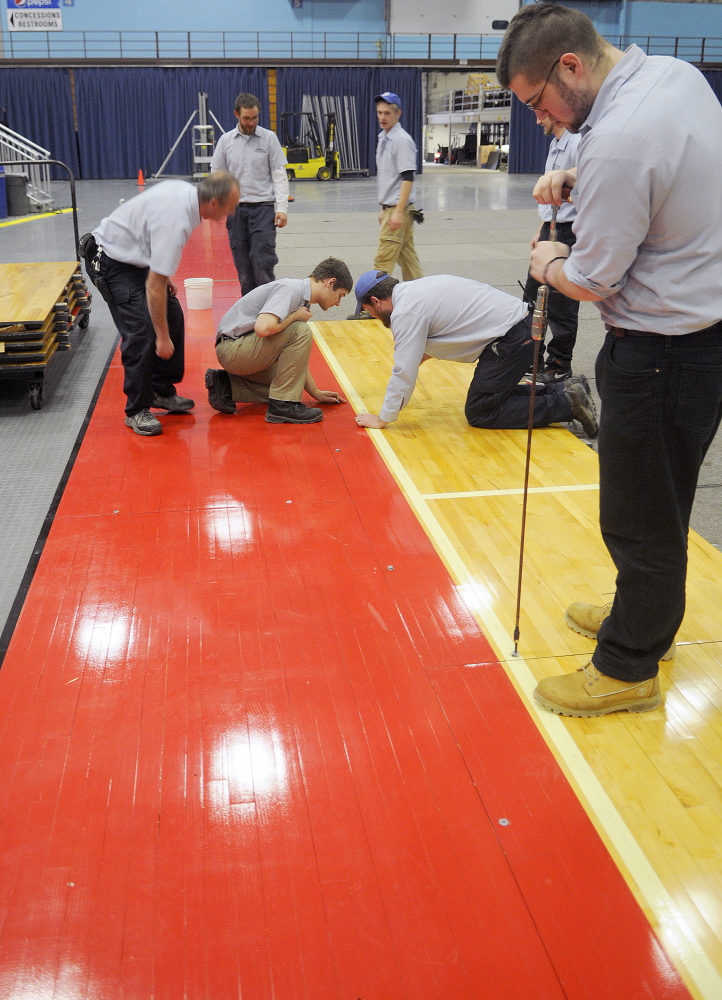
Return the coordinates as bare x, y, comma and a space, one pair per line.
90, 252
417, 214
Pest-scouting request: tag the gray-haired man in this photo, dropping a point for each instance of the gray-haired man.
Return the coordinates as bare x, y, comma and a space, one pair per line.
132, 257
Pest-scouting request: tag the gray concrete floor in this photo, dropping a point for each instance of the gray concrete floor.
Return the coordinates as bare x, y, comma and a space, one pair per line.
478, 225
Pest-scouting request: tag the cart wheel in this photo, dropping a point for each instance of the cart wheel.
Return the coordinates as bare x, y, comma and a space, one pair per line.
83, 321
324, 174
290, 174
36, 395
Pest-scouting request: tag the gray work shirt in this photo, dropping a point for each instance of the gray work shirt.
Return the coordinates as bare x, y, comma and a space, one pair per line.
395, 153
280, 298
151, 229
258, 164
446, 317
563, 155
649, 198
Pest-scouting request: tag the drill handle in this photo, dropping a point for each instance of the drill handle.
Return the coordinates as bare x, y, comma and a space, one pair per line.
539, 317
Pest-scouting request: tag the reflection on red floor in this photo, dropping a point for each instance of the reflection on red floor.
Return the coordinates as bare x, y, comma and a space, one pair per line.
253, 745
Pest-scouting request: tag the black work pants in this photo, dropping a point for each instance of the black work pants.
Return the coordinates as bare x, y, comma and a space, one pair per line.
661, 406
146, 374
252, 235
495, 398
562, 313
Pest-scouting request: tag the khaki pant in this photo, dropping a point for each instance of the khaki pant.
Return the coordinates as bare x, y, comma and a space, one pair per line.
397, 247
263, 367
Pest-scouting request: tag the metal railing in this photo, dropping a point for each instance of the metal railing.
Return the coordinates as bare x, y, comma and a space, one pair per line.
25, 157
458, 101
297, 46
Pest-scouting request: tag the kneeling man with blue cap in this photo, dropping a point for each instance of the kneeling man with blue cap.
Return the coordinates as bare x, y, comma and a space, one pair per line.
457, 319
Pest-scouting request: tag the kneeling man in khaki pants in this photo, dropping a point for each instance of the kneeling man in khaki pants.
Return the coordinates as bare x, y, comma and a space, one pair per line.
264, 343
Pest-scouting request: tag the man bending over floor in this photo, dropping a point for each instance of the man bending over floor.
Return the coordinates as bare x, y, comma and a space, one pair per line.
264, 343
457, 319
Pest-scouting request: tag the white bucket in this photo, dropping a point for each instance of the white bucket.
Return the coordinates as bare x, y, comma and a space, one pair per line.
199, 293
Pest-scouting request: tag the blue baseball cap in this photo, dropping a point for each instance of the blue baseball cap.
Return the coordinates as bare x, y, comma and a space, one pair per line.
389, 97
367, 281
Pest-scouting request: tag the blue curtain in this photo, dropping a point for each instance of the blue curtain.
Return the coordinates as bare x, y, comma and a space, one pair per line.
39, 106
128, 118
363, 84
528, 146
714, 79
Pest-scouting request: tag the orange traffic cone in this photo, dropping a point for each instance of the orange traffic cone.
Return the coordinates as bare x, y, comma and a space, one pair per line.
141, 179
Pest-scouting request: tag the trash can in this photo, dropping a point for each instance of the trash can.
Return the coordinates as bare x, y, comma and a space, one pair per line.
16, 190
3, 198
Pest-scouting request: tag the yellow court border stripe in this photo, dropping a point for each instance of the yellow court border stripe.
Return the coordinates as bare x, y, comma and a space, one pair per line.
507, 493
677, 937
32, 218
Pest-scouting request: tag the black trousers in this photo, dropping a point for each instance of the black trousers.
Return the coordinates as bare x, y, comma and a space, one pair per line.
252, 235
495, 398
661, 406
145, 373
562, 313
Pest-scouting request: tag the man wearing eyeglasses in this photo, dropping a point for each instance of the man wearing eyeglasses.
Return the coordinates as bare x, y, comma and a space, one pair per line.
255, 158
649, 254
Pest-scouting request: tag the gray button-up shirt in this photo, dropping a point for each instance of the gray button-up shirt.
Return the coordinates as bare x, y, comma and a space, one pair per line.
395, 153
445, 317
649, 198
563, 155
151, 229
280, 298
258, 164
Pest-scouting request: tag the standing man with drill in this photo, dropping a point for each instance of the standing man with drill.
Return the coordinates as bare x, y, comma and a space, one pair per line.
255, 158
649, 254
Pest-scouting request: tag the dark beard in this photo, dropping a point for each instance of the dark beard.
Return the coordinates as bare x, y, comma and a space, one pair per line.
580, 104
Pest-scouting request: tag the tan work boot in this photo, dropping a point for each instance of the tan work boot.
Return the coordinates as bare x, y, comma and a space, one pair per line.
587, 693
587, 620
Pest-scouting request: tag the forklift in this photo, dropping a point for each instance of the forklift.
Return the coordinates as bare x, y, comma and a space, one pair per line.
304, 151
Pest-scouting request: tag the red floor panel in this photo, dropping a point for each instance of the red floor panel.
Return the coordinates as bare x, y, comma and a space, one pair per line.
243, 757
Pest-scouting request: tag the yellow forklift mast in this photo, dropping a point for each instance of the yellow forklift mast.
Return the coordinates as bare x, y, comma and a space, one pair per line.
304, 151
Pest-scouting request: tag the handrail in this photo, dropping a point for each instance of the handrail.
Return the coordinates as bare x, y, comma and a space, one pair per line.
73, 202
26, 152
21, 140
301, 46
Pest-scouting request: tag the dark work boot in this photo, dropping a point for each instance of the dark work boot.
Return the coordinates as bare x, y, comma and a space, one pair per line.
282, 411
577, 392
218, 385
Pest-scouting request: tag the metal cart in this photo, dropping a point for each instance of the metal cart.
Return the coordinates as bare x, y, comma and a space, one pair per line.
40, 304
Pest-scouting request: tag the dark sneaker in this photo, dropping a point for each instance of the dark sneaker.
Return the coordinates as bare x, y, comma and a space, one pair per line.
361, 315
281, 411
554, 371
173, 404
549, 374
577, 392
144, 423
219, 390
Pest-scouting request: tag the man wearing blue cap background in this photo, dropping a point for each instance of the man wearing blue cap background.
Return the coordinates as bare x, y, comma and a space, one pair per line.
396, 159
457, 319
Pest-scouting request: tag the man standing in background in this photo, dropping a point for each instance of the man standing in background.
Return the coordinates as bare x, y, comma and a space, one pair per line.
396, 157
562, 312
255, 158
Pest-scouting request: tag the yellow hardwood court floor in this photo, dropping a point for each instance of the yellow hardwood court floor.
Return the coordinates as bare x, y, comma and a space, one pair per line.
652, 783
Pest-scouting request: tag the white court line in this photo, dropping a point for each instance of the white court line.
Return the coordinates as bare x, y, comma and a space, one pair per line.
507, 493
676, 935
